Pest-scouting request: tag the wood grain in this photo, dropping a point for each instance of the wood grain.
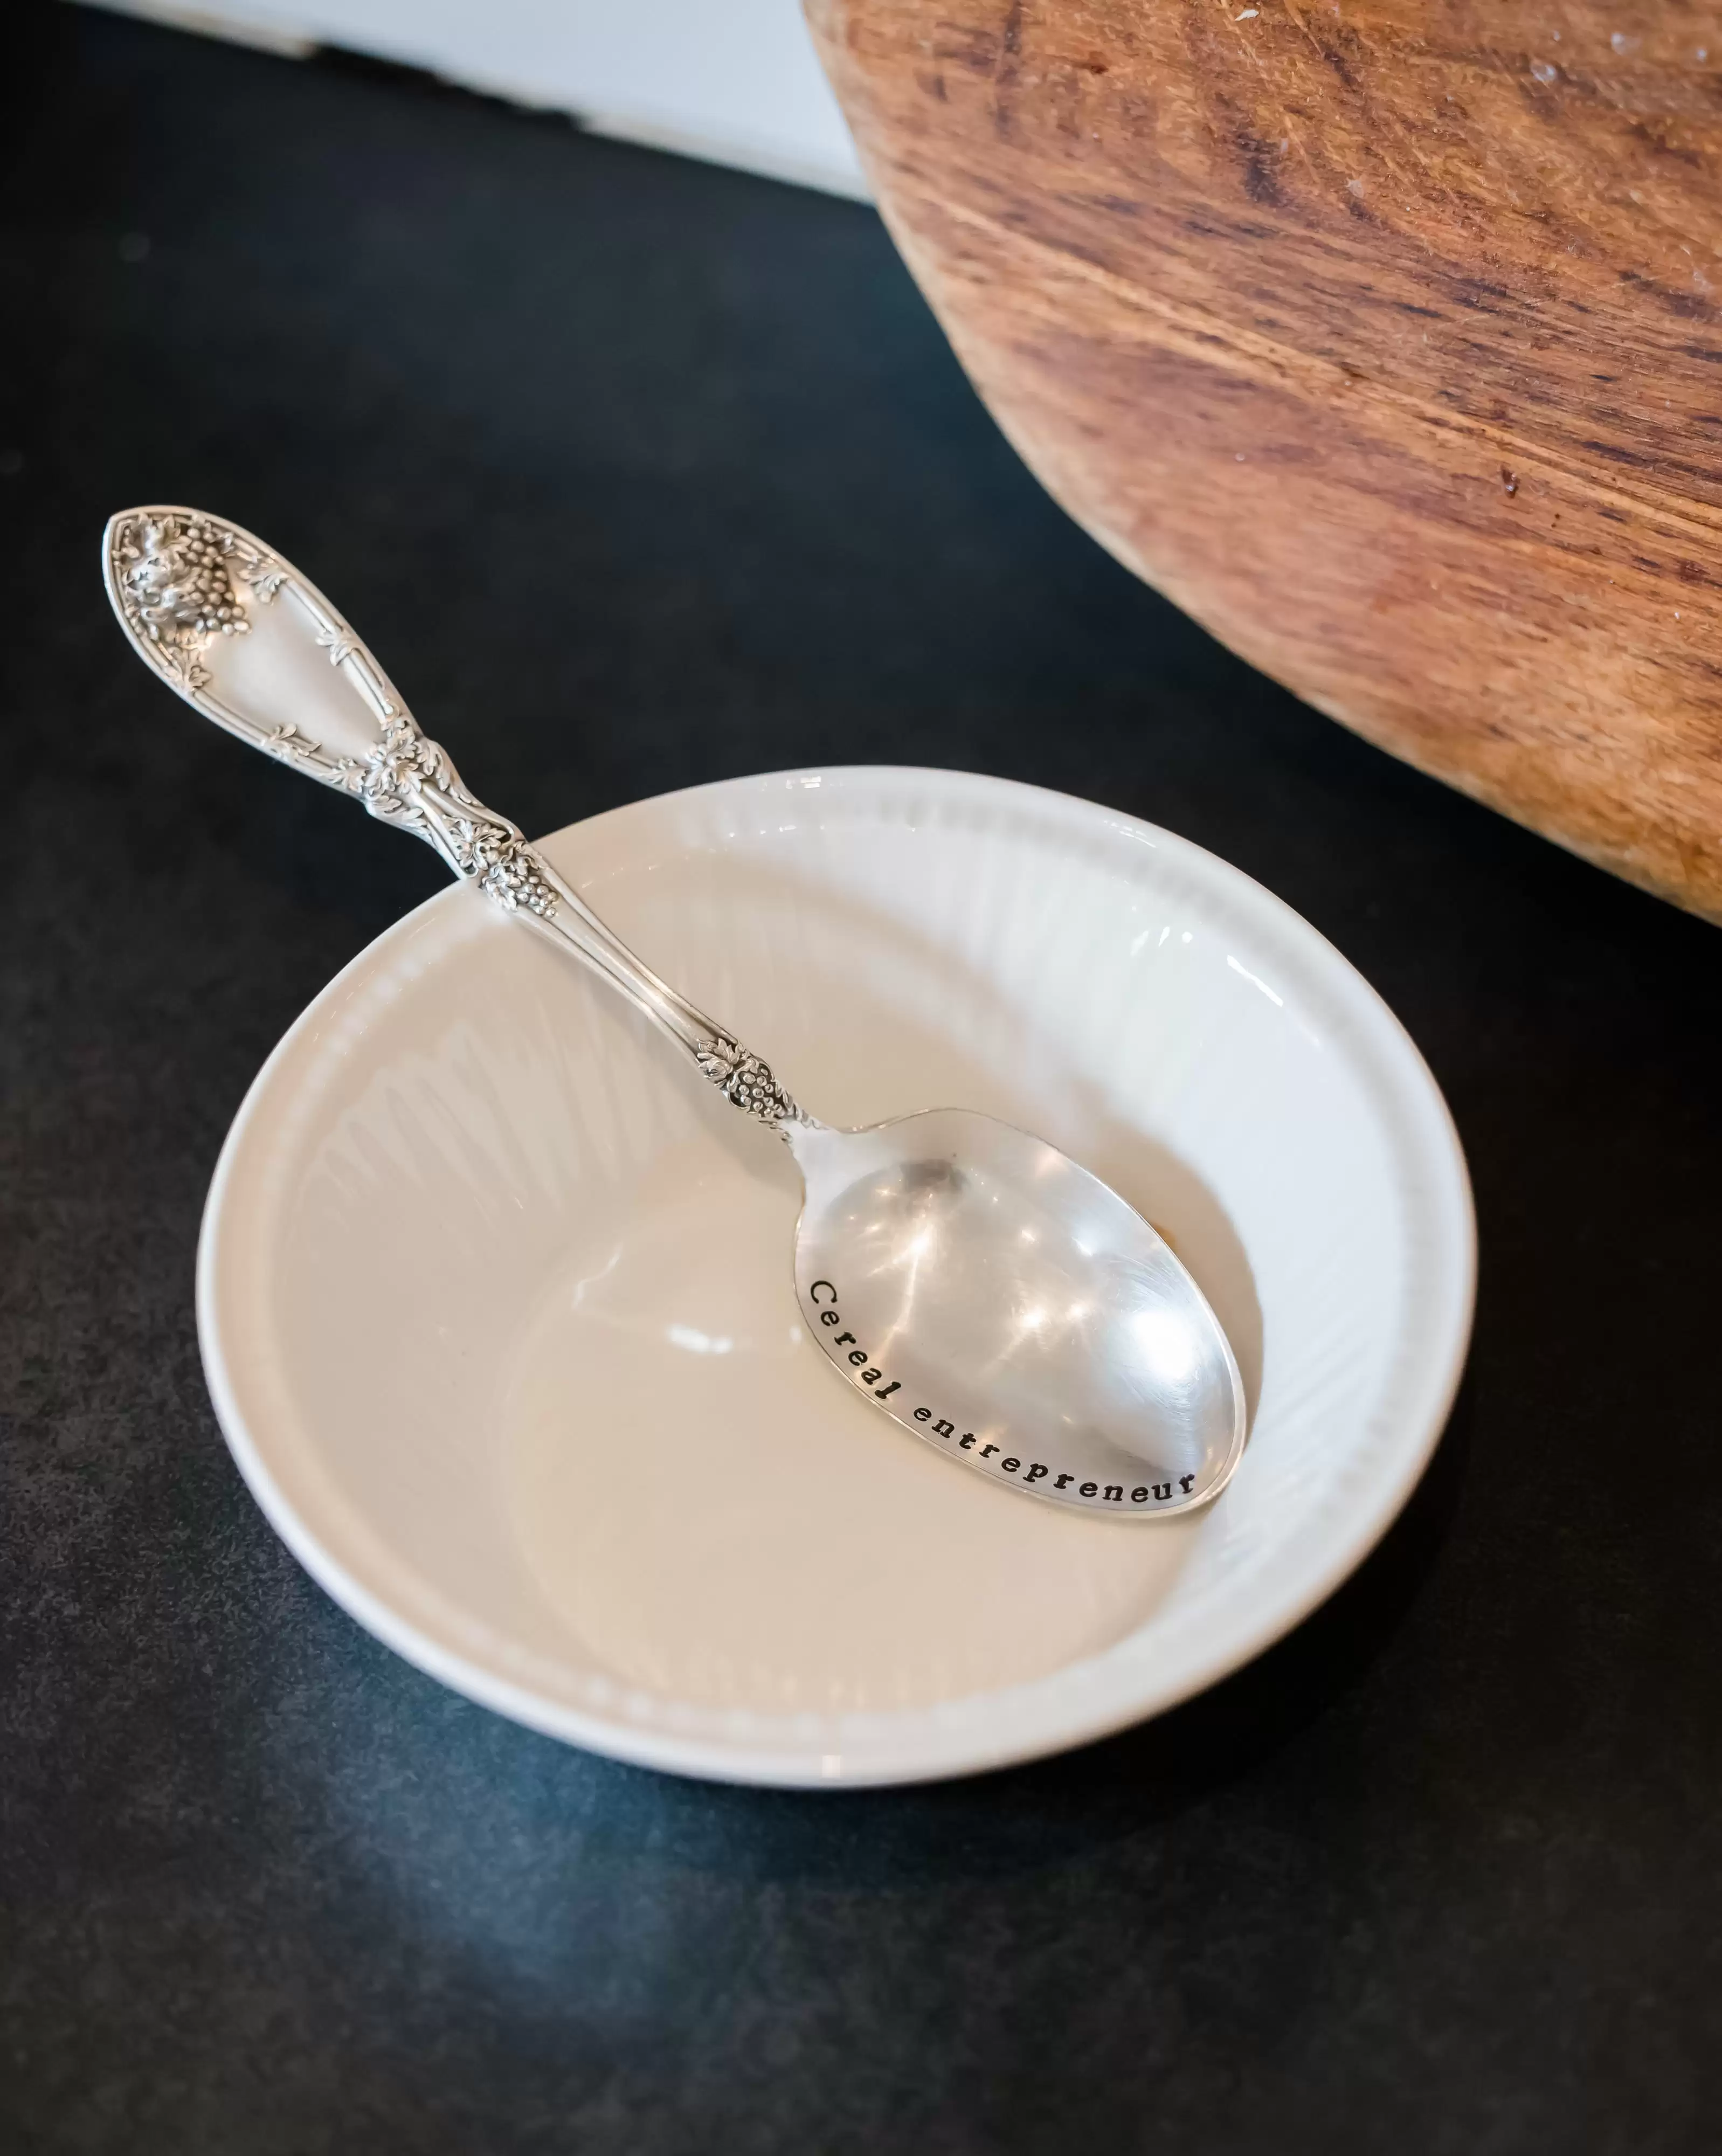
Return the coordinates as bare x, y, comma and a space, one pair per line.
1384, 337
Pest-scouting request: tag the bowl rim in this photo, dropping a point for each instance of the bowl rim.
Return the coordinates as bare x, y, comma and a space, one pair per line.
1080, 1702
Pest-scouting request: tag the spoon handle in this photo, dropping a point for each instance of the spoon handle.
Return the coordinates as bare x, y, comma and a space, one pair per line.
188, 590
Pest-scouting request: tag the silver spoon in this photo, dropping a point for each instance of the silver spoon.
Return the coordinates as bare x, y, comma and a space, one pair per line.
991, 1296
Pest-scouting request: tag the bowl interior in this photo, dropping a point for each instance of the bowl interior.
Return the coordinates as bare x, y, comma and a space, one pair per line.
496, 1295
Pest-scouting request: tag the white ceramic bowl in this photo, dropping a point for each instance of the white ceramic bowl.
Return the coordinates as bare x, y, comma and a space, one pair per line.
495, 1306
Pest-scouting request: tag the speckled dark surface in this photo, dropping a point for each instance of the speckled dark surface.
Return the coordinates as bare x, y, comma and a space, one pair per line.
640, 474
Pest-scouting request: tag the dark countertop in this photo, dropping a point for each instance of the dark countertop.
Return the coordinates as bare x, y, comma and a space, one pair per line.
642, 473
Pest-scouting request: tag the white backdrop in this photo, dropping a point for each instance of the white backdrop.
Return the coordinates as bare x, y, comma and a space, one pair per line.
734, 80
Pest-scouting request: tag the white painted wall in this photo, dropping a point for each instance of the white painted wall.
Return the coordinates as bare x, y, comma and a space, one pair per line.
733, 80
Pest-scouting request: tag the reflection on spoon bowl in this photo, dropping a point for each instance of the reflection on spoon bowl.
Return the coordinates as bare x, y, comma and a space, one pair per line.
1008, 1306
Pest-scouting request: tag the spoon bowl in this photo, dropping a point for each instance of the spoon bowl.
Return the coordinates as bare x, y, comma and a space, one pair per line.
998, 1300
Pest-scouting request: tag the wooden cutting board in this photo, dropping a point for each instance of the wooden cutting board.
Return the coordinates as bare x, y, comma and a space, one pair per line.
1384, 337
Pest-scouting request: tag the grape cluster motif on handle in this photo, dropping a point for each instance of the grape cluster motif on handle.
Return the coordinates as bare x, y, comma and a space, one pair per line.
176, 579
746, 1079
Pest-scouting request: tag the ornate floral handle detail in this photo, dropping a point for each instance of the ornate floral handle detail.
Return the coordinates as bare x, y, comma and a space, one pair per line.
183, 583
